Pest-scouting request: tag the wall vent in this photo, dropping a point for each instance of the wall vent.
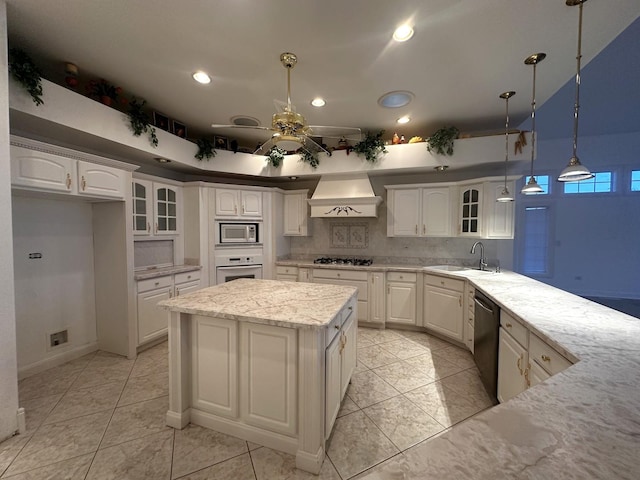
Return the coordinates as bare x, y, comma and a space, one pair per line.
58, 338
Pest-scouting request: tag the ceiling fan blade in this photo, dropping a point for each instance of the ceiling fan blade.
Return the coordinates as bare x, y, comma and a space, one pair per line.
349, 133
312, 146
250, 127
265, 147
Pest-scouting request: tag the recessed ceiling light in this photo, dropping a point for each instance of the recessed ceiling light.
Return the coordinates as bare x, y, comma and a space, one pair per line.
201, 77
403, 33
162, 160
405, 119
395, 99
318, 102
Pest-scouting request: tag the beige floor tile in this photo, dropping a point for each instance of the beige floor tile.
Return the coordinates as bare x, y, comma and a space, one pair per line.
95, 375
136, 421
375, 356
72, 469
429, 341
434, 365
76, 403
139, 389
37, 409
61, 441
357, 444
446, 406
403, 422
150, 364
253, 446
403, 376
271, 465
459, 356
237, 468
143, 459
198, 447
9, 450
51, 382
377, 336
367, 388
156, 350
469, 385
106, 359
404, 348
347, 406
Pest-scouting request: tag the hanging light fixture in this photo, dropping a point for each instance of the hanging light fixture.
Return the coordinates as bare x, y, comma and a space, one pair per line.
532, 185
505, 196
575, 171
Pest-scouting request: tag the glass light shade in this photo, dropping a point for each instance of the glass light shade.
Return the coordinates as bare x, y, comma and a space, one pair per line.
505, 196
531, 187
575, 172
318, 102
201, 77
403, 33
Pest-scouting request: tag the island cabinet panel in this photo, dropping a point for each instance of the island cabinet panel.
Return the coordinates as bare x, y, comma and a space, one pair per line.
215, 365
333, 368
349, 353
268, 377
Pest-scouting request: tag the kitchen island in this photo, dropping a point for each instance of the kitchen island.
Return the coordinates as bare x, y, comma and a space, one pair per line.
263, 360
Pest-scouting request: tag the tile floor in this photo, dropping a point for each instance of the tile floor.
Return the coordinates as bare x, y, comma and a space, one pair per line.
102, 417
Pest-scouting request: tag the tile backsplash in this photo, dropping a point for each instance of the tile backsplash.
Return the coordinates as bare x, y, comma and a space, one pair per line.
152, 253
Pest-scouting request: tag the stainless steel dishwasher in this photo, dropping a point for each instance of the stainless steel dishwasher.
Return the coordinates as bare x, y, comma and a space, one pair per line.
485, 342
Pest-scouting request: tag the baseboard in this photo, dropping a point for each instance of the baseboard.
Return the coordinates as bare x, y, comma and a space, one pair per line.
310, 462
22, 421
56, 360
178, 420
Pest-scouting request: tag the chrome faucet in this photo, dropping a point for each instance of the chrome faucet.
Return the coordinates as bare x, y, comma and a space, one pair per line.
483, 261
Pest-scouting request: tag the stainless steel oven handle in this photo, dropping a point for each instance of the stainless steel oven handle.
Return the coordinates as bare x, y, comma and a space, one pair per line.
482, 305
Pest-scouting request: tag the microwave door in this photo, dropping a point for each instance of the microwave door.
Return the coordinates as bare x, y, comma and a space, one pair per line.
234, 233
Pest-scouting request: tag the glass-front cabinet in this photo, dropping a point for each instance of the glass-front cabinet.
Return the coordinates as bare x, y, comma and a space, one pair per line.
470, 210
155, 208
142, 207
166, 210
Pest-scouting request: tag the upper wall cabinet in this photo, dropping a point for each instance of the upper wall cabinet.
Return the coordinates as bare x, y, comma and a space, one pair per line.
45, 171
470, 219
499, 215
156, 208
419, 212
296, 213
238, 203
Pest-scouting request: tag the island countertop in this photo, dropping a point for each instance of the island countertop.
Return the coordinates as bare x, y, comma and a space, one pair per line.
272, 302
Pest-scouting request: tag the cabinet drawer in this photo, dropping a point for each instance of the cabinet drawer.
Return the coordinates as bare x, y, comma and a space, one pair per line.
153, 283
444, 282
516, 329
546, 356
340, 274
402, 277
187, 277
282, 270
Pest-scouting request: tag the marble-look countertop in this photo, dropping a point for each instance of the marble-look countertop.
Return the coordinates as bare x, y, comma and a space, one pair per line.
161, 272
285, 304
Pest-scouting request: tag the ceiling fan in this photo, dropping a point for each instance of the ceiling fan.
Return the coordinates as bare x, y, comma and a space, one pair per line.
289, 129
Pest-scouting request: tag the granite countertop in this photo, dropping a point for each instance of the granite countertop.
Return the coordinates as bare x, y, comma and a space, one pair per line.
285, 304
377, 267
161, 272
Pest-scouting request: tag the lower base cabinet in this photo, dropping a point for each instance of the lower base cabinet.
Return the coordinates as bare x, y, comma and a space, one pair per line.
401, 298
443, 309
512, 361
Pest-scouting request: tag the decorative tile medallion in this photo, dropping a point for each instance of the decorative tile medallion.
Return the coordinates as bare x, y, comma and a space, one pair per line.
355, 235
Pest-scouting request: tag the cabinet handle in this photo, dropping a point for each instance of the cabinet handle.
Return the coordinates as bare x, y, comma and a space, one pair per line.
424, 229
337, 327
68, 181
243, 208
148, 227
508, 325
441, 283
460, 301
526, 376
545, 358
83, 183
157, 283
401, 277
416, 229
338, 275
170, 295
373, 279
520, 364
188, 277
156, 227
298, 228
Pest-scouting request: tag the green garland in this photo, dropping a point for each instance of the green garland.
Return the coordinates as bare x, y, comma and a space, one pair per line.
140, 122
442, 140
371, 147
26, 73
205, 149
276, 156
310, 157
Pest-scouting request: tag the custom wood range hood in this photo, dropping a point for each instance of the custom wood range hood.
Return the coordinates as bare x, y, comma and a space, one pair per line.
345, 196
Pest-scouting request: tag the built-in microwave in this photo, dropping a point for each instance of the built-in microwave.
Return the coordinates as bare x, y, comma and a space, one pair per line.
237, 232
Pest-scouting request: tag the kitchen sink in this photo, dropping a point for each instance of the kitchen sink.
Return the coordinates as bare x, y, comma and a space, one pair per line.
448, 268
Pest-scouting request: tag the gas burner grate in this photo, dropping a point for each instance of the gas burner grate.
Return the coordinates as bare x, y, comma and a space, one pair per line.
360, 262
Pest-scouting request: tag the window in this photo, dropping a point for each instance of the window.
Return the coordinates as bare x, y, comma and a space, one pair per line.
635, 180
601, 183
536, 241
543, 181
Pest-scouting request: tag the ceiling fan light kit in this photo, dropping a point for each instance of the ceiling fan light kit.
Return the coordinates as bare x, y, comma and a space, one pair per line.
575, 171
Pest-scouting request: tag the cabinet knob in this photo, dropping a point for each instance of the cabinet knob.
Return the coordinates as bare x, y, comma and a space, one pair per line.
337, 327
441, 283
338, 274
508, 325
157, 283
545, 358
188, 277
401, 277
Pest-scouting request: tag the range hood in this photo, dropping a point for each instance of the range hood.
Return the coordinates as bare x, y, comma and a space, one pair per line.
344, 196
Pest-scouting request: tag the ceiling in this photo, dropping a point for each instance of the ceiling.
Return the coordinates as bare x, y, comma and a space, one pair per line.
464, 53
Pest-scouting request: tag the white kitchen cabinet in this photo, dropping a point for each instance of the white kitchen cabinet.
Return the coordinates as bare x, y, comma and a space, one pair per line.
377, 312
287, 273
443, 310
268, 377
470, 214
153, 321
238, 203
156, 208
355, 278
512, 362
296, 215
100, 180
499, 215
304, 275
546, 356
469, 330
401, 297
536, 374
419, 212
349, 332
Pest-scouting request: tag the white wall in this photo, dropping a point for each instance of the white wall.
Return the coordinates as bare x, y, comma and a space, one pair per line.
55, 292
8, 368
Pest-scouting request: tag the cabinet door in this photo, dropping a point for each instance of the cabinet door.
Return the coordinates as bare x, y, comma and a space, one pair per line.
377, 298
166, 209
286, 278
250, 204
405, 214
512, 360
100, 181
499, 215
333, 370
226, 202
470, 216
348, 353
436, 212
214, 370
153, 321
401, 302
443, 311
295, 218
30, 168
268, 377
537, 374
142, 200
185, 288
304, 275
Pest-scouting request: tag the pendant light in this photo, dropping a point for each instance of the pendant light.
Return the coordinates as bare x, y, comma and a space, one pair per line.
505, 196
532, 186
575, 171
